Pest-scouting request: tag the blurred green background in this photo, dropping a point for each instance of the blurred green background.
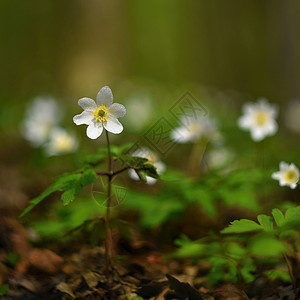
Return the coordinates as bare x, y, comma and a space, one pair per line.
72, 48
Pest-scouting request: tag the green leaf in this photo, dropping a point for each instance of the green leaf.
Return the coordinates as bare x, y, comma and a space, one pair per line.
141, 175
88, 177
70, 183
235, 250
266, 222
192, 249
266, 246
277, 273
205, 200
243, 225
140, 164
68, 196
117, 151
292, 218
60, 184
247, 270
291, 212
278, 216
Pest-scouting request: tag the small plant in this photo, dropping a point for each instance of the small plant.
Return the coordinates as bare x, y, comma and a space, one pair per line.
99, 117
273, 237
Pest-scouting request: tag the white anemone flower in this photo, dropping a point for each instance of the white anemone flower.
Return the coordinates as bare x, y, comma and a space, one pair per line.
153, 159
103, 114
60, 142
195, 128
219, 157
288, 175
41, 116
259, 119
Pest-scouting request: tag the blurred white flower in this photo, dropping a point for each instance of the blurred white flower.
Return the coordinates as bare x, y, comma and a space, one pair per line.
219, 157
292, 114
259, 119
288, 175
153, 159
41, 116
139, 111
195, 128
60, 142
103, 114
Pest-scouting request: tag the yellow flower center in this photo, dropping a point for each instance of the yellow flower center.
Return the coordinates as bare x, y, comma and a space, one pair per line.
261, 118
290, 176
63, 143
194, 127
152, 158
101, 113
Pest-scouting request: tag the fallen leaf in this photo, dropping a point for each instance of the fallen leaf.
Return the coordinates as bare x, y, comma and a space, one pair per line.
151, 289
43, 260
229, 292
183, 290
65, 288
92, 279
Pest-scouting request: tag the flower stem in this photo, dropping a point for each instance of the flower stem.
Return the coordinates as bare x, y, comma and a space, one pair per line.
292, 276
108, 241
196, 156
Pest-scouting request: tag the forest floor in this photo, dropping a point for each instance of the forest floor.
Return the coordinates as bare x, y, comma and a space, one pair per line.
140, 271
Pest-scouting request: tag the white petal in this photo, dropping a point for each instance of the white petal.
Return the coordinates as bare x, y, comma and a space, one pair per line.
282, 182
150, 180
94, 131
245, 121
113, 125
271, 127
181, 135
276, 175
133, 175
86, 117
257, 134
283, 166
87, 104
105, 97
160, 167
117, 110
293, 186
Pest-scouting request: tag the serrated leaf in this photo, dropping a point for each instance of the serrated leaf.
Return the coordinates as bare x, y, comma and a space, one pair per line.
88, 177
292, 218
243, 225
133, 161
68, 196
266, 222
62, 183
278, 216
140, 164
70, 183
